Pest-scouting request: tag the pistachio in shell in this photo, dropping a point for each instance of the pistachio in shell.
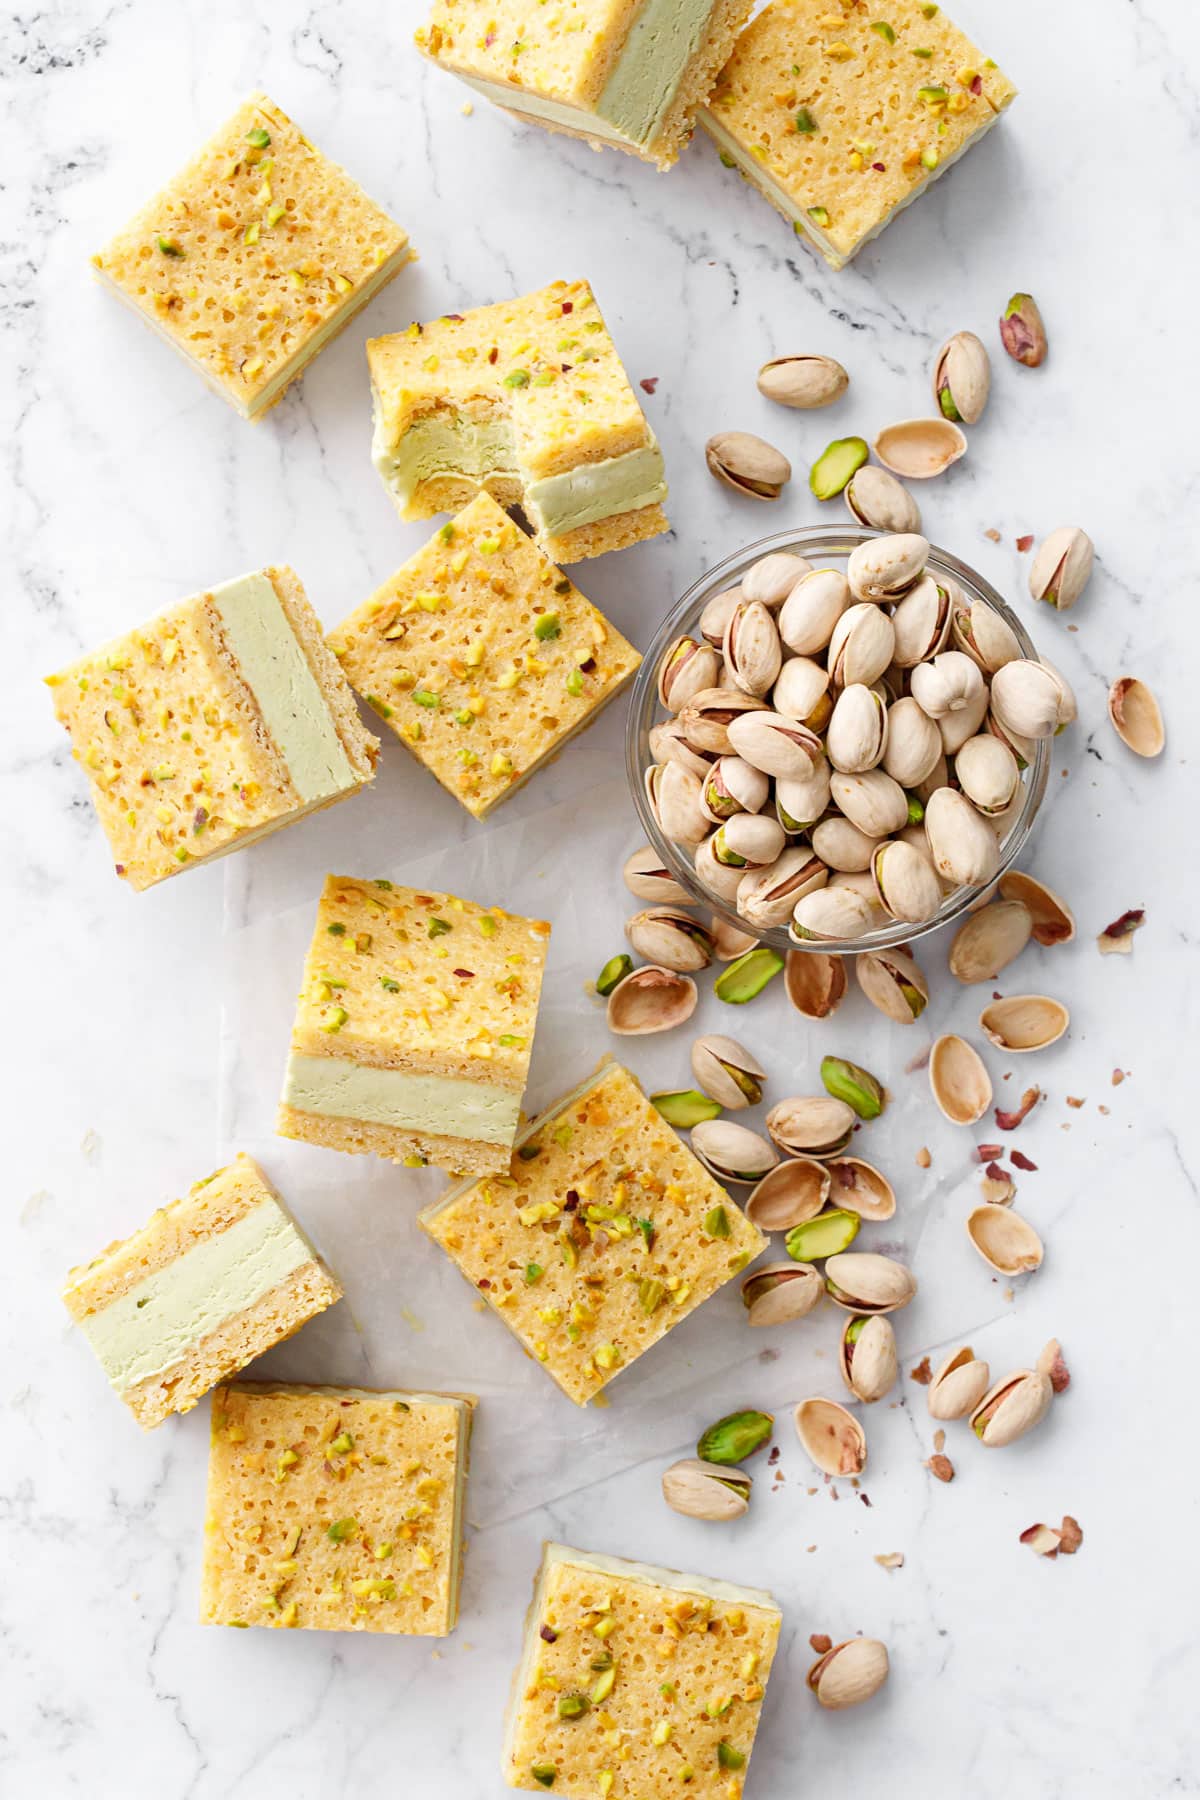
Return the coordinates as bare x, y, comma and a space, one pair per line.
686, 669
861, 1188
746, 978
960, 1084
804, 382
791, 1193
718, 878
646, 876
962, 378
748, 464
735, 1437
988, 940
849, 1673
876, 499
962, 844
812, 609
771, 579
894, 983
863, 1282
906, 882
749, 841
685, 1108
1011, 1408
917, 449
867, 1356
815, 983
835, 465
704, 1490
675, 796
668, 743
714, 620
704, 722
727, 1071
732, 786
777, 1293
977, 629
651, 999
986, 771
832, 1437
884, 568
830, 915
1027, 699
775, 744
731, 1152
914, 743
830, 1233
1061, 567
863, 1092
842, 846
753, 652
958, 1386
1135, 716
871, 800
862, 645
817, 1125
671, 938
768, 897
1020, 1023
1007, 1242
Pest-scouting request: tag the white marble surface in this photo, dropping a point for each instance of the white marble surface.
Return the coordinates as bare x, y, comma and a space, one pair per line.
126, 486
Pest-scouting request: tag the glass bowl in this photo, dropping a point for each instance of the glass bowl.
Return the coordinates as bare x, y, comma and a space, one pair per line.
819, 543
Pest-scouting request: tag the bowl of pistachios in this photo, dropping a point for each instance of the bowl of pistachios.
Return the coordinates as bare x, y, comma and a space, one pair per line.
839, 741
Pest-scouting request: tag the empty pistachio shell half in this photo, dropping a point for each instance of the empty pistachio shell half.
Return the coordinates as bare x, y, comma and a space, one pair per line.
704, 1490
803, 381
1011, 1408
748, 464
962, 378
780, 1292
731, 1152
849, 1673
811, 1125
867, 1356
961, 842
828, 1234
885, 568
917, 449
830, 915
670, 937
1007, 1242
646, 877
832, 1437
1023, 1022
791, 1193
815, 983
1022, 332
1053, 920
861, 1188
894, 983
863, 1092
866, 1283
875, 498
685, 1108
1061, 567
960, 1084
650, 999
958, 1385
812, 609
735, 1437
771, 579
687, 667
835, 465
1135, 716
727, 1071
988, 940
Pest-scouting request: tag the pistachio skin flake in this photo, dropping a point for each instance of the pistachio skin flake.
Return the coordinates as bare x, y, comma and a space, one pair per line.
735, 1437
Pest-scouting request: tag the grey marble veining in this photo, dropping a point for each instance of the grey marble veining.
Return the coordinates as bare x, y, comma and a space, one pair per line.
126, 485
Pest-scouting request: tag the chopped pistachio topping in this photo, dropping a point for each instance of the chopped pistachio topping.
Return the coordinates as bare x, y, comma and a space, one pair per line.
341, 1529
884, 30
169, 246
258, 137
546, 626
805, 123
572, 1706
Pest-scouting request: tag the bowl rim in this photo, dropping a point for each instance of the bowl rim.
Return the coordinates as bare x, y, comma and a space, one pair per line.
815, 541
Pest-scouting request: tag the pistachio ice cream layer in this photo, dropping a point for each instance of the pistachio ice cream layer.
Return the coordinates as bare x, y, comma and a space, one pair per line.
333, 1087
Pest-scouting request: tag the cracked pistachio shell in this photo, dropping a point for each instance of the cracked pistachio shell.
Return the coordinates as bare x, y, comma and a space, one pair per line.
772, 578
1022, 332
728, 942
705, 1490
1135, 716
830, 915
706, 719
862, 645
865, 1283
767, 897
650, 999
800, 803
921, 623
668, 743
832, 1437
905, 881
1007, 1242
863, 1092
842, 846
849, 1673
775, 744
958, 1080
735, 1437
801, 692
980, 633
986, 771
790, 1194
859, 1187
1061, 567
715, 617
988, 940
731, 1152
917, 449
746, 978
645, 876
1026, 698
948, 683
671, 938
962, 844
914, 743
802, 381
815, 1125
962, 378
675, 796
687, 667
871, 800
876, 499
815, 983
884, 568
1068, 706
958, 1385
732, 786
779, 1292
867, 1357
858, 730
753, 653
749, 841
1053, 920
748, 464
893, 982
719, 878
726, 1070
1011, 1408
812, 609
835, 465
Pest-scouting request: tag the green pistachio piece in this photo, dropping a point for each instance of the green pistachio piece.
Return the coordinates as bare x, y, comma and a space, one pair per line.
829, 1233
604, 1685
884, 30
574, 683
650, 1296
341, 1529
169, 246
946, 402
805, 123
614, 970
742, 980
545, 1774
518, 378
716, 1223
426, 697
727, 1756
916, 812
533, 1274
342, 1444
439, 927
854, 1330
819, 215
735, 1437
258, 137
855, 1085
546, 626
686, 1108
835, 465
573, 1706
